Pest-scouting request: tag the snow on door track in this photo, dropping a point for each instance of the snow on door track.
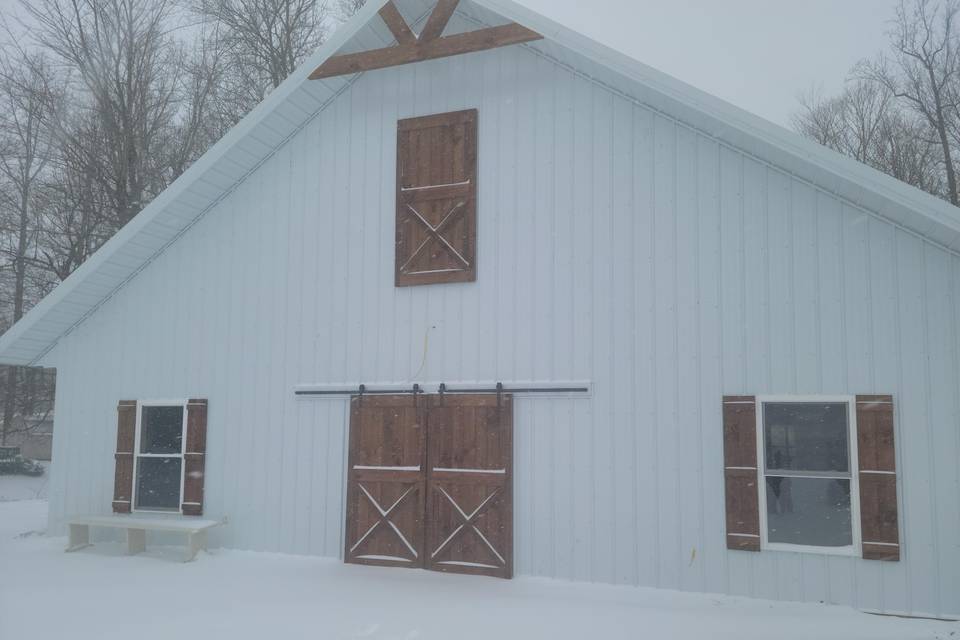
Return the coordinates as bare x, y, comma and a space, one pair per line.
101, 593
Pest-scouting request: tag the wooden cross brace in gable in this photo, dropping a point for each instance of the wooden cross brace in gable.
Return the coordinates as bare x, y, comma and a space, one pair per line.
429, 45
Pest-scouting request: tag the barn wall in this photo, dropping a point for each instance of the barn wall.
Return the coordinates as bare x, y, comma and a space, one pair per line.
615, 245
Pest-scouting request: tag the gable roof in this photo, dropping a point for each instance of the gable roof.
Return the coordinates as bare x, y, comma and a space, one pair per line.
298, 100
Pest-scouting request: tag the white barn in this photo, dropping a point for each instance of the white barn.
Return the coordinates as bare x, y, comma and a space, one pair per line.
730, 358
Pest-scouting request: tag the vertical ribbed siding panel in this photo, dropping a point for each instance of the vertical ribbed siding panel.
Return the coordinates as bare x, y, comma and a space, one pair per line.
582, 505
757, 327
600, 188
615, 245
829, 255
711, 557
894, 587
665, 384
854, 334
941, 399
733, 303
282, 414
561, 214
913, 410
642, 371
620, 345
951, 599
688, 438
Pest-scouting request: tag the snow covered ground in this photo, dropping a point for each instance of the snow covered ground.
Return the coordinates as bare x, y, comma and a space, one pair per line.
25, 487
100, 593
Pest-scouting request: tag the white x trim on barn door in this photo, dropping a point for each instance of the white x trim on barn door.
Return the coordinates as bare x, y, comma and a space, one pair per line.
469, 521
385, 518
435, 233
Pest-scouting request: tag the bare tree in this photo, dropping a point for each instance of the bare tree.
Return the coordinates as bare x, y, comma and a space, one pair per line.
346, 9
904, 151
130, 67
199, 124
849, 122
922, 71
26, 103
75, 205
261, 43
135, 119
822, 119
866, 122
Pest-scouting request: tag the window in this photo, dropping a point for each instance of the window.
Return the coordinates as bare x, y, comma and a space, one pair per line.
159, 450
808, 493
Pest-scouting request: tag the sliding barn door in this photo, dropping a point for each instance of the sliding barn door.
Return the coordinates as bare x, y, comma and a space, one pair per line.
469, 485
386, 481
430, 483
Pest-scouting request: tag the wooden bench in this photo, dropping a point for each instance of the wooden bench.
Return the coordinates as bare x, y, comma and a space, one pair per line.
137, 527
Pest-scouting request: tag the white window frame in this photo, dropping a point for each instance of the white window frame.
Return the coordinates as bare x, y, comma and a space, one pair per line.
851, 402
178, 402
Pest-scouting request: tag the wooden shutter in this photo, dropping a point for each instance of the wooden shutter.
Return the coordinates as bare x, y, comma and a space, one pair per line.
470, 485
123, 471
385, 481
878, 478
740, 472
437, 199
194, 458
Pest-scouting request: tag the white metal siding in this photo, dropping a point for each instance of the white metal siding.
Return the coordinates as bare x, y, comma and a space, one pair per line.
615, 245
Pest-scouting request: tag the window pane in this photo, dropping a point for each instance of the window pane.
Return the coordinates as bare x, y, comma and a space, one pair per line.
809, 511
158, 483
161, 430
806, 436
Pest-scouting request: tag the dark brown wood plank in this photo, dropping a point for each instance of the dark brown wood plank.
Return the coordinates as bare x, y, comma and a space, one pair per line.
742, 508
193, 469
438, 120
438, 20
373, 475
876, 448
195, 458
740, 432
875, 439
196, 426
878, 508
123, 457
886, 553
473, 41
440, 192
126, 425
123, 483
740, 473
397, 25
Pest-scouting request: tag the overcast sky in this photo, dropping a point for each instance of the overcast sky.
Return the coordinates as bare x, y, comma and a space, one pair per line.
757, 54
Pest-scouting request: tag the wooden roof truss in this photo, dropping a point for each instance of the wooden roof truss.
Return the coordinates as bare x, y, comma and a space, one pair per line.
429, 45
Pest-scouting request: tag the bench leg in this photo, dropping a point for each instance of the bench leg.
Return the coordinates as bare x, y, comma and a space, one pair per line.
136, 541
196, 541
79, 537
